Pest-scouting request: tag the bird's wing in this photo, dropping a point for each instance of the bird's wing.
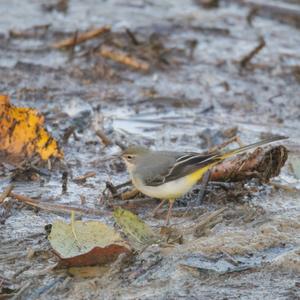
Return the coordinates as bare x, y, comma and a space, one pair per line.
175, 165
191, 164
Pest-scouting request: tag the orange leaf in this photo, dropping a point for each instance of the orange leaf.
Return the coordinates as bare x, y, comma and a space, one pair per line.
22, 134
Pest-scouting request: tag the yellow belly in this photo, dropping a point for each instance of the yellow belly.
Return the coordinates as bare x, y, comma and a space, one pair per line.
197, 175
172, 189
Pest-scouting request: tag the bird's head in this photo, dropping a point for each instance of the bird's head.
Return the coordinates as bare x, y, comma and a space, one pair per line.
132, 155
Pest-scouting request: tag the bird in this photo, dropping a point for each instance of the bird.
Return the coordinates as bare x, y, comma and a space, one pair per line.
168, 175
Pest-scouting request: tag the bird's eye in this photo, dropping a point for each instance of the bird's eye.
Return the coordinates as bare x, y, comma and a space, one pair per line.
129, 157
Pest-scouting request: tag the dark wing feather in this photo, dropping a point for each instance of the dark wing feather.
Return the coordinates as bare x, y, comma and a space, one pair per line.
190, 165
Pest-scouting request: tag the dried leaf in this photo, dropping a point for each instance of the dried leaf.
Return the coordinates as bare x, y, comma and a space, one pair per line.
138, 233
94, 243
22, 134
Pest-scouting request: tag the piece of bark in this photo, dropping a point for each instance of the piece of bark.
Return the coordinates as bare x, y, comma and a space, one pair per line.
262, 163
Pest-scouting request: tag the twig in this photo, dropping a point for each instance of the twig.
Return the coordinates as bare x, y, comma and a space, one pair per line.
64, 179
205, 220
132, 37
245, 61
129, 194
83, 178
69, 131
234, 139
123, 184
58, 207
281, 10
111, 188
124, 58
252, 13
103, 137
22, 290
6, 193
81, 37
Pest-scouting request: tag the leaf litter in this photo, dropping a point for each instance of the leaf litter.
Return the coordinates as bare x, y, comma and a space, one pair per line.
260, 220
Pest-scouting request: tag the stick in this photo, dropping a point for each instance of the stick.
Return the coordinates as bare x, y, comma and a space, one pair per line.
103, 137
84, 177
245, 61
58, 207
129, 194
81, 37
124, 58
6, 193
205, 219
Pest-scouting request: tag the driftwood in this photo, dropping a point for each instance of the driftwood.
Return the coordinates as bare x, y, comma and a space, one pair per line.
262, 163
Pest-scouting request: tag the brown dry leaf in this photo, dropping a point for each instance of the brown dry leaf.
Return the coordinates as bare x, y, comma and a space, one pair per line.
94, 243
22, 134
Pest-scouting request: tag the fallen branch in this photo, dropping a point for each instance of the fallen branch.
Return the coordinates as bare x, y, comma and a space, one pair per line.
263, 164
81, 37
58, 207
124, 58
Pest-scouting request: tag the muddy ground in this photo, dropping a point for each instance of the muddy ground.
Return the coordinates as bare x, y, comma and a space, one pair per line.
200, 90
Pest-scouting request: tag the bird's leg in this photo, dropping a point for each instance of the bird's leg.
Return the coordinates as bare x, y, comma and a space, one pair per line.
158, 207
171, 202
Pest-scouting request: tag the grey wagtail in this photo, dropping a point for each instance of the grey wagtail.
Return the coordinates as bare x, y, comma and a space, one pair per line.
167, 175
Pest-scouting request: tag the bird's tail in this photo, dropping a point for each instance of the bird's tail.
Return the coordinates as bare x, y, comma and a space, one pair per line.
251, 146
